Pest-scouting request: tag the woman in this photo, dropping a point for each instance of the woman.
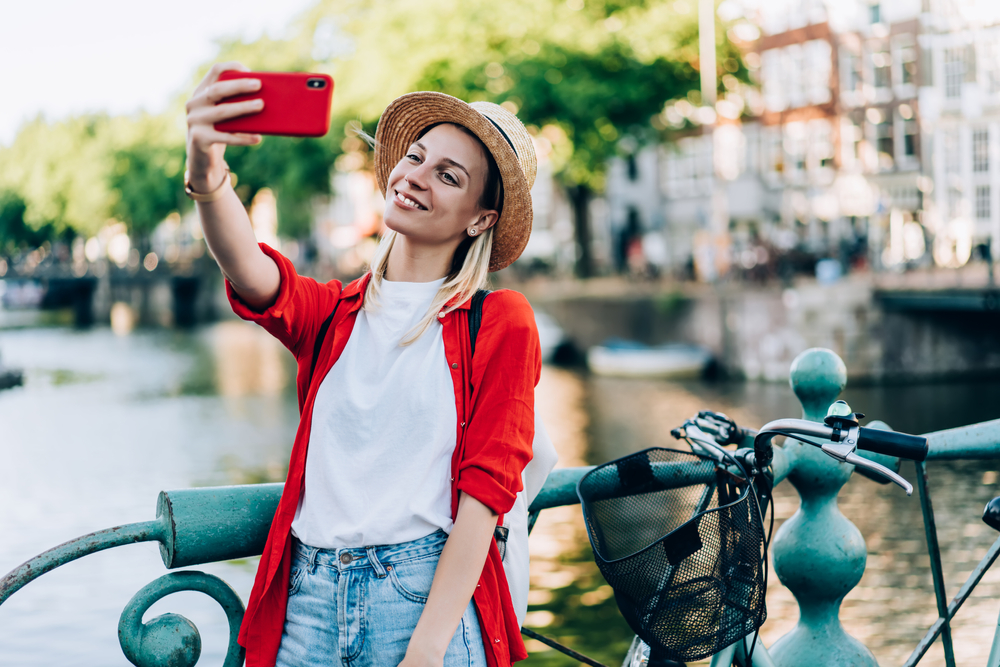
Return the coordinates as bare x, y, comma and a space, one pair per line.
410, 448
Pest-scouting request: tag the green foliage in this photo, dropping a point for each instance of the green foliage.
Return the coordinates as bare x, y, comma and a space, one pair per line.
295, 169
147, 181
596, 99
595, 71
14, 232
60, 172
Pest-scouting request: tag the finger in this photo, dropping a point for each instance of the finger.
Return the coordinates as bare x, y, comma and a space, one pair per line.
204, 136
216, 70
220, 90
220, 112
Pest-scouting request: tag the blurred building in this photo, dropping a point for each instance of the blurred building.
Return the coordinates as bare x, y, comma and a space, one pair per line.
873, 133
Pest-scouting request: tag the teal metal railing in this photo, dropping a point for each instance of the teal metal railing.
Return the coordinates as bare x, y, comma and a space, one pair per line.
818, 553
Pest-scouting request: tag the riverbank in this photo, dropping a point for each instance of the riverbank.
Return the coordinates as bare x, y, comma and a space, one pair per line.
755, 331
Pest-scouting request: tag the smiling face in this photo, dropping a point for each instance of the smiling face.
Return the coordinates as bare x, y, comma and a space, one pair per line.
433, 193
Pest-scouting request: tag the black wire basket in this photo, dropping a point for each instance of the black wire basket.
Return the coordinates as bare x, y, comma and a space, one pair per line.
680, 539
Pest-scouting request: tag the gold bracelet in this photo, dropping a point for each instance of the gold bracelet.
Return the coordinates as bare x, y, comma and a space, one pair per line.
228, 177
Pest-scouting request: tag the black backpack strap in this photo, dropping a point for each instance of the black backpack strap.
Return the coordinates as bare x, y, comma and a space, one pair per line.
318, 344
476, 316
475, 321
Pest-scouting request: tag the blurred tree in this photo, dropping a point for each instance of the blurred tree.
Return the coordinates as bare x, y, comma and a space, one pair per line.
295, 169
59, 170
15, 234
586, 76
147, 183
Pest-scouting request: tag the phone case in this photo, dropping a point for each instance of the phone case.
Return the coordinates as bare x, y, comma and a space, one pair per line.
296, 104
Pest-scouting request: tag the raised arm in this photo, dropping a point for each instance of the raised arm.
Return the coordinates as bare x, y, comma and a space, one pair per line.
253, 275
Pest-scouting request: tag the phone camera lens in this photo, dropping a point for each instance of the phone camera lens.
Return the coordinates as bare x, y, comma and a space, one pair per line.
316, 83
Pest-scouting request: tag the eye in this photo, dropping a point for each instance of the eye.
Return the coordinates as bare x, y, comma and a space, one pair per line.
413, 156
449, 178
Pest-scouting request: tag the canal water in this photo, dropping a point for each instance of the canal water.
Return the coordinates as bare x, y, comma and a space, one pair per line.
105, 421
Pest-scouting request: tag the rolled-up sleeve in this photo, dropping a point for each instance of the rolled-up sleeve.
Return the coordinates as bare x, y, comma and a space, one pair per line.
299, 309
501, 426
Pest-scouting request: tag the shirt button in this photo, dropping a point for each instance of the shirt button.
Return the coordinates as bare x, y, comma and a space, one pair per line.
454, 365
346, 558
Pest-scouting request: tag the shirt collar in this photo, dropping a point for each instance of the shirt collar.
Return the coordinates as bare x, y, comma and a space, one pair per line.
357, 287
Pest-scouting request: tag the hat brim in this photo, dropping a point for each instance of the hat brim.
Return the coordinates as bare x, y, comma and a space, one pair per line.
409, 115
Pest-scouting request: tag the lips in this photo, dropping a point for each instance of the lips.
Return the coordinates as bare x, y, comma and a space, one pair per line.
400, 197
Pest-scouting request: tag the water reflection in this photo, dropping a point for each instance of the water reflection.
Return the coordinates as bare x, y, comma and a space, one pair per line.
104, 422
247, 363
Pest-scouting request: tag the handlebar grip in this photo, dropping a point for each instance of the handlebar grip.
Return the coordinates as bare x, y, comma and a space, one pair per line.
904, 446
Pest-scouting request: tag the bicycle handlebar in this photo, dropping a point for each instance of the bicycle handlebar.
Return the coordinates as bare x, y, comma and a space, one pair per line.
709, 431
842, 443
893, 443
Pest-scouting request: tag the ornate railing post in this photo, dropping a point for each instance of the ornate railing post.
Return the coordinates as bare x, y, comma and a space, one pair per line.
818, 553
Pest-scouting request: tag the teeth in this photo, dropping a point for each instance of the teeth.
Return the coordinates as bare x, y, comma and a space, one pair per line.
408, 201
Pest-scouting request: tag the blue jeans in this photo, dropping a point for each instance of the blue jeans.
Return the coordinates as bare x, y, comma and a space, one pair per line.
359, 606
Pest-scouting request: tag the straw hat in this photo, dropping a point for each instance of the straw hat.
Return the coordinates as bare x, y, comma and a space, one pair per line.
499, 130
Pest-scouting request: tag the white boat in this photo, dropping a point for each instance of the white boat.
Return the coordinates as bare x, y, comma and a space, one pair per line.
627, 359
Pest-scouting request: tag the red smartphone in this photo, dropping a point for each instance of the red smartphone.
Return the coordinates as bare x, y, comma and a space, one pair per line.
296, 104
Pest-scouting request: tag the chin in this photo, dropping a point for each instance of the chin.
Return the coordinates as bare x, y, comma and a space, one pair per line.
391, 221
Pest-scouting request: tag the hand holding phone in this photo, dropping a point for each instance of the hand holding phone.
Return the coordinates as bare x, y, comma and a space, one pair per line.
295, 104
206, 145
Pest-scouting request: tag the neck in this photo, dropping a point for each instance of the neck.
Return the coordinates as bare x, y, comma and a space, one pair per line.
410, 262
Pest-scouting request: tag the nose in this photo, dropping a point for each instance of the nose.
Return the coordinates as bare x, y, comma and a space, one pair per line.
417, 178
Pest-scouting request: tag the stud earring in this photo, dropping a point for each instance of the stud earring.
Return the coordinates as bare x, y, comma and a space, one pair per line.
472, 232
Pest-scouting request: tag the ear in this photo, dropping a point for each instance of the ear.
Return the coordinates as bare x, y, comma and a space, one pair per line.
486, 220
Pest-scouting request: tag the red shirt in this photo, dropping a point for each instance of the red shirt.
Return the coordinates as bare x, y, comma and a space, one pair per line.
494, 399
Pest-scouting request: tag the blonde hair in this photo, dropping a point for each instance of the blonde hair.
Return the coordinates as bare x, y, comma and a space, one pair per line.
469, 274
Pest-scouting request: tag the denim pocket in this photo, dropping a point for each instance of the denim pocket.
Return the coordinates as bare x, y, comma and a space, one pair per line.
413, 578
295, 579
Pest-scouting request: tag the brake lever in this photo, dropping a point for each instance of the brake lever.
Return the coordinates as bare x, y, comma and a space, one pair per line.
880, 469
844, 451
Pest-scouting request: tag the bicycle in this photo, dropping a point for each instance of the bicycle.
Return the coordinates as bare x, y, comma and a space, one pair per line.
716, 438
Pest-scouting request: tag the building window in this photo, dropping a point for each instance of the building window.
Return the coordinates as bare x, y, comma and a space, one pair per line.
772, 153
795, 147
884, 144
906, 56
952, 155
850, 138
818, 58
981, 150
954, 71
882, 69
794, 75
821, 144
910, 131
956, 203
875, 13
772, 71
983, 202
854, 79
990, 63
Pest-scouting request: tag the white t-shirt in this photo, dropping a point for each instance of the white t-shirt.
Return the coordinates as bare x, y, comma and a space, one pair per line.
378, 468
